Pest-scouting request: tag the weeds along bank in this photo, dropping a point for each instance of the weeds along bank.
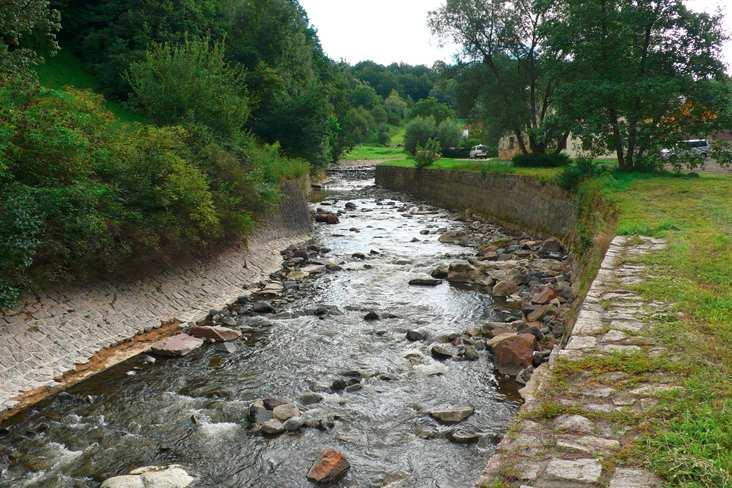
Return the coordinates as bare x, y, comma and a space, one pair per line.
85, 196
684, 436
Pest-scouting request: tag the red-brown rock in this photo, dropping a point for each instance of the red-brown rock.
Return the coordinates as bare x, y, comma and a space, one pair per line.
331, 467
546, 295
215, 334
513, 352
327, 218
176, 346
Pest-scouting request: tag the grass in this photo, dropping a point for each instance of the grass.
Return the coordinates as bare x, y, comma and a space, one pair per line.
690, 443
65, 69
368, 152
488, 166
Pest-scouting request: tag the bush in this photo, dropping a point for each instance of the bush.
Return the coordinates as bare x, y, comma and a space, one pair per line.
449, 133
190, 82
578, 171
426, 155
418, 131
537, 160
82, 195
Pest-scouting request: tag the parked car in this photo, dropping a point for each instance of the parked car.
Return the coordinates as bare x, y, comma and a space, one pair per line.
479, 152
693, 147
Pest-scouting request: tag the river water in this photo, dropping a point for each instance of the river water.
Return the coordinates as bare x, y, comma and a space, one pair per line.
193, 411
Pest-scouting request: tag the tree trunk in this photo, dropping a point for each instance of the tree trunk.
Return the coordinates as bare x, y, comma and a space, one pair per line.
520, 141
619, 144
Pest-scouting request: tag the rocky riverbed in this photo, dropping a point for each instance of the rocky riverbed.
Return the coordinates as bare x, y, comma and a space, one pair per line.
385, 352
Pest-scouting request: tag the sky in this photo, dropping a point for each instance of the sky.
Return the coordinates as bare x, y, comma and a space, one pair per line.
388, 31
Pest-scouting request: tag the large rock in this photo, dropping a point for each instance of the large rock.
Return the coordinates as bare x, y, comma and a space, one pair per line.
329, 468
464, 272
285, 412
504, 288
451, 415
326, 218
215, 334
172, 476
544, 296
513, 352
177, 346
273, 427
443, 351
425, 282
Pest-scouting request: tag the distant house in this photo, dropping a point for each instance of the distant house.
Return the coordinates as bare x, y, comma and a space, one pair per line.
508, 147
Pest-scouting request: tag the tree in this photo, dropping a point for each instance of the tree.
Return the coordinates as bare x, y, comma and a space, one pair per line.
449, 133
418, 131
396, 108
508, 38
21, 23
431, 107
640, 73
191, 82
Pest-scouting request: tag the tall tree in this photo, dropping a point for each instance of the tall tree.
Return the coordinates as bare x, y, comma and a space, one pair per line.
640, 73
22, 23
508, 38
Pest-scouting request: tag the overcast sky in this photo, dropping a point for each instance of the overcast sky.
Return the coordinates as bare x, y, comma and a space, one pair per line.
388, 31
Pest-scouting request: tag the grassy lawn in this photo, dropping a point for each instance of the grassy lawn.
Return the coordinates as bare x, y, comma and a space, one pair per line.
488, 166
689, 439
65, 69
366, 152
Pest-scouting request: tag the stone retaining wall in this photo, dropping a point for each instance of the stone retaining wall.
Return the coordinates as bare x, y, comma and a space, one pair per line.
518, 201
50, 334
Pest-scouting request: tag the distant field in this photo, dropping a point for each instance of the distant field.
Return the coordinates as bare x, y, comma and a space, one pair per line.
367, 152
65, 69
489, 166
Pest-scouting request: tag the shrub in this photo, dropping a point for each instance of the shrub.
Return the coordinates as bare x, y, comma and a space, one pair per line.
578, 171
82, 195
426, 155
190, 82
538, 160
449, 133
418, 131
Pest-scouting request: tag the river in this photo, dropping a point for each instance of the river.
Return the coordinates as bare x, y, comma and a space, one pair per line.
193, 411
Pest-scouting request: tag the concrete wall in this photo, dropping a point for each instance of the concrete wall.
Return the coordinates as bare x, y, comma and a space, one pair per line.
51, 333
516, 201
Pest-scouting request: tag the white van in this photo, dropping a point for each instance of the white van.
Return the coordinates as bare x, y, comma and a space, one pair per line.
692, 146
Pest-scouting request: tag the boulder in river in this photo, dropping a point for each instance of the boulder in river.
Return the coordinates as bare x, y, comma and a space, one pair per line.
172, 476
417, 335
513, 352
327, 218
463, 436
285, 412
272, 427
443, 351
451, 415
177, 346
371, 316
425, 282
215, 334
262, 307
329, 468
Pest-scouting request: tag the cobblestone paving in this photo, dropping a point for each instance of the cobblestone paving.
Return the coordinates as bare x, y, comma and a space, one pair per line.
577, 420
48, 335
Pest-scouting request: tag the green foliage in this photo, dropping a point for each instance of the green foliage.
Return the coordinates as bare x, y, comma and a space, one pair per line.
450, 133
538, 160
426, 155
431, 107
579, 170
642, 75
409, 82
23, 23
396, 108
418, 131
82, 195
190, 82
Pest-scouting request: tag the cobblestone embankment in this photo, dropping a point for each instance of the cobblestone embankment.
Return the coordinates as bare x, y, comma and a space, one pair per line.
49, 336
578, 419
